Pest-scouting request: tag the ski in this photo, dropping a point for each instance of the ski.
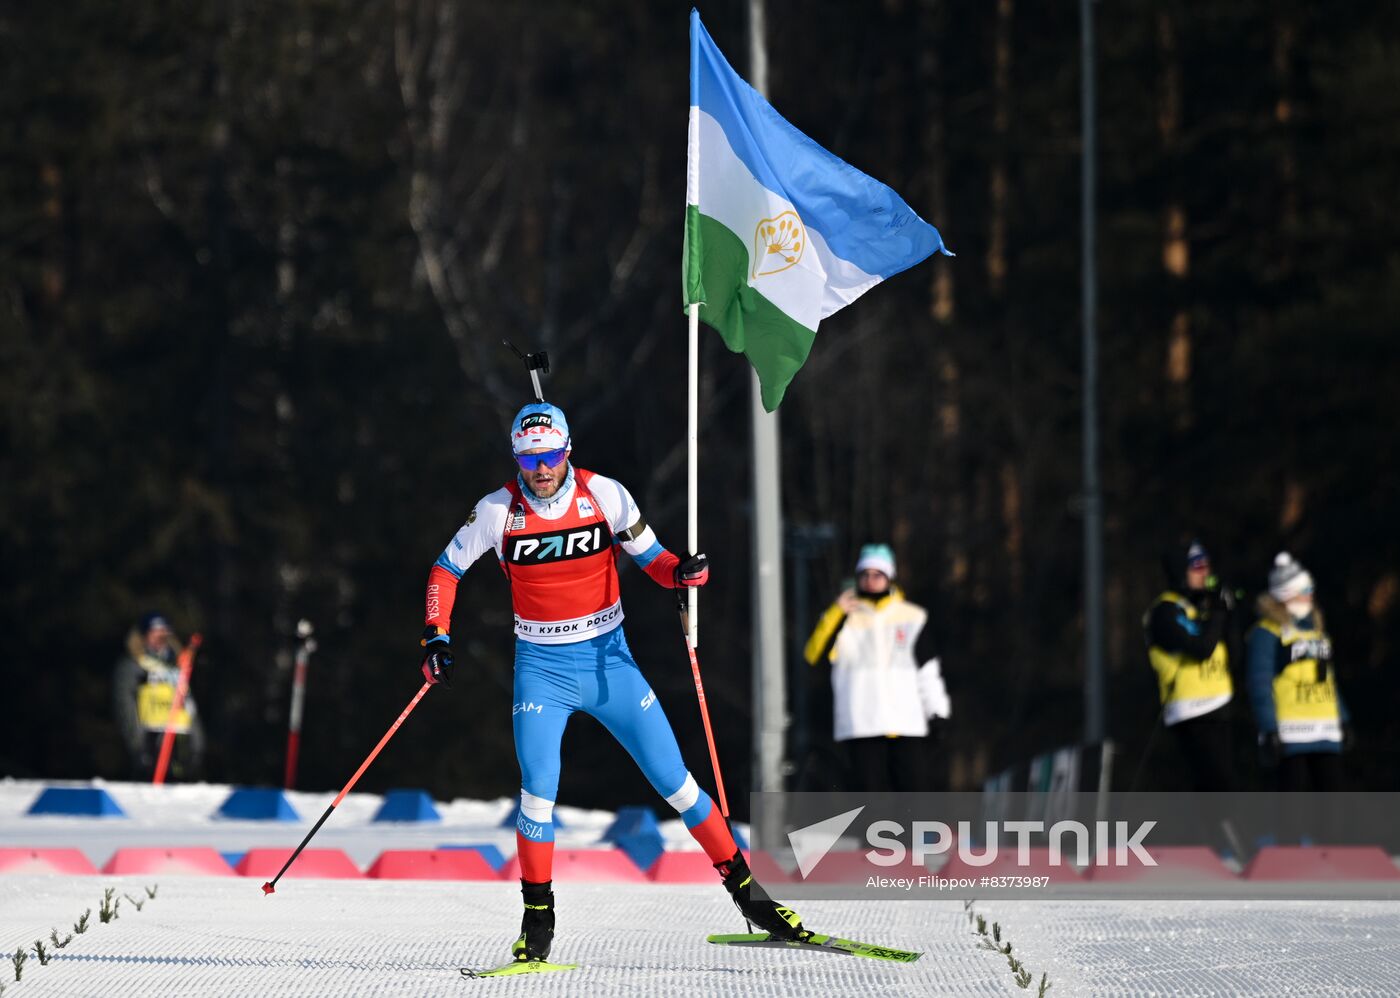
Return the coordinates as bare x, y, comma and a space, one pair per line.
817, 941
518, 967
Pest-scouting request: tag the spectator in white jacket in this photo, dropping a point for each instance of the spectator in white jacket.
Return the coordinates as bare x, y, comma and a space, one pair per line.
887, 686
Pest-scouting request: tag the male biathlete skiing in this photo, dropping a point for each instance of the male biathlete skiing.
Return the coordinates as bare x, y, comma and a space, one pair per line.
555, 530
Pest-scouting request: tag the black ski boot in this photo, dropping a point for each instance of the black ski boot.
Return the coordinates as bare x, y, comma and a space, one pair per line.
778, 920
537, 927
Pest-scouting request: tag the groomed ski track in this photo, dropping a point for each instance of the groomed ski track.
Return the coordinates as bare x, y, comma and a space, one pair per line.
213, 936
218, 936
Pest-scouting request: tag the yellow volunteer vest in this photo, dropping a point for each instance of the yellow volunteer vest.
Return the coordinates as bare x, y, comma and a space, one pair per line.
1188, 687
156, 696
1305, 691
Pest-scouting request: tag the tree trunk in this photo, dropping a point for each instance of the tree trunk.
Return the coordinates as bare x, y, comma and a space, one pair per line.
1001, 124
1176, 249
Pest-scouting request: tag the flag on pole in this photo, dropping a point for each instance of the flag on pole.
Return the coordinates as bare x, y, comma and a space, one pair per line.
779, 233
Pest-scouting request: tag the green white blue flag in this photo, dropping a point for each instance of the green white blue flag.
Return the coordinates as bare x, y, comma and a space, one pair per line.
779, 233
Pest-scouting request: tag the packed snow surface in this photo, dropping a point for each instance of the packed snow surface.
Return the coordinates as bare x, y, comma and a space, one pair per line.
222, 936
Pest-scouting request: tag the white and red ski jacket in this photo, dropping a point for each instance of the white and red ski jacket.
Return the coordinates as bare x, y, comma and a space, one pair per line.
558, 553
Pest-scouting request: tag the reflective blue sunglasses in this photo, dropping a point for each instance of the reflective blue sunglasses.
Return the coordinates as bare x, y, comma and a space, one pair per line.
549, 458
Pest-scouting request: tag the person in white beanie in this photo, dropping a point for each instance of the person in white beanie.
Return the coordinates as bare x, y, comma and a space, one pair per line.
1292, 683
886, 682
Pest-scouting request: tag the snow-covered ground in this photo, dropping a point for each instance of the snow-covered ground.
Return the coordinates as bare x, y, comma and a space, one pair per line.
221, 936
1207, 949
218, 936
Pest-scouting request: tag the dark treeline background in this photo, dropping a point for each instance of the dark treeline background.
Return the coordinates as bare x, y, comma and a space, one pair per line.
257, 259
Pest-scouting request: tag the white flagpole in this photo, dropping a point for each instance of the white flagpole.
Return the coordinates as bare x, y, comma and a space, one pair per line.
692, 505
692, 437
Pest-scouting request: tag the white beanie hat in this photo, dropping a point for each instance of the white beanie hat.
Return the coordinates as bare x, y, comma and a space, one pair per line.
877, 556
1288, 579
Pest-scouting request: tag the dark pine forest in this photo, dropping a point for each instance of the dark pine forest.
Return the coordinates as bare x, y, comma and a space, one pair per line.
257, 260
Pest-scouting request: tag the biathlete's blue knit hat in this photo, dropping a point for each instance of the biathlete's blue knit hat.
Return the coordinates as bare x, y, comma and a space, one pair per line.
539, 424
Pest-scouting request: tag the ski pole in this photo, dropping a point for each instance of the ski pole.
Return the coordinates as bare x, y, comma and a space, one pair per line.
271, 885
182, 688
700, 695
308, 645
1147, 749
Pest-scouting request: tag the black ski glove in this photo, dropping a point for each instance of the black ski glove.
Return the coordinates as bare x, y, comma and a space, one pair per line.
692, 571
437, 656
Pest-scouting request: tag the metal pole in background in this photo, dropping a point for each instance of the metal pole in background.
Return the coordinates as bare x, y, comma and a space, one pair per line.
769, 694
303, 660
1094, 680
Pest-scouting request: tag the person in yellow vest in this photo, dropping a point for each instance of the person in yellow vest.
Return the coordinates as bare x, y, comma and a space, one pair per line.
143, 689
1301, 718
1185, 630
885, 702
